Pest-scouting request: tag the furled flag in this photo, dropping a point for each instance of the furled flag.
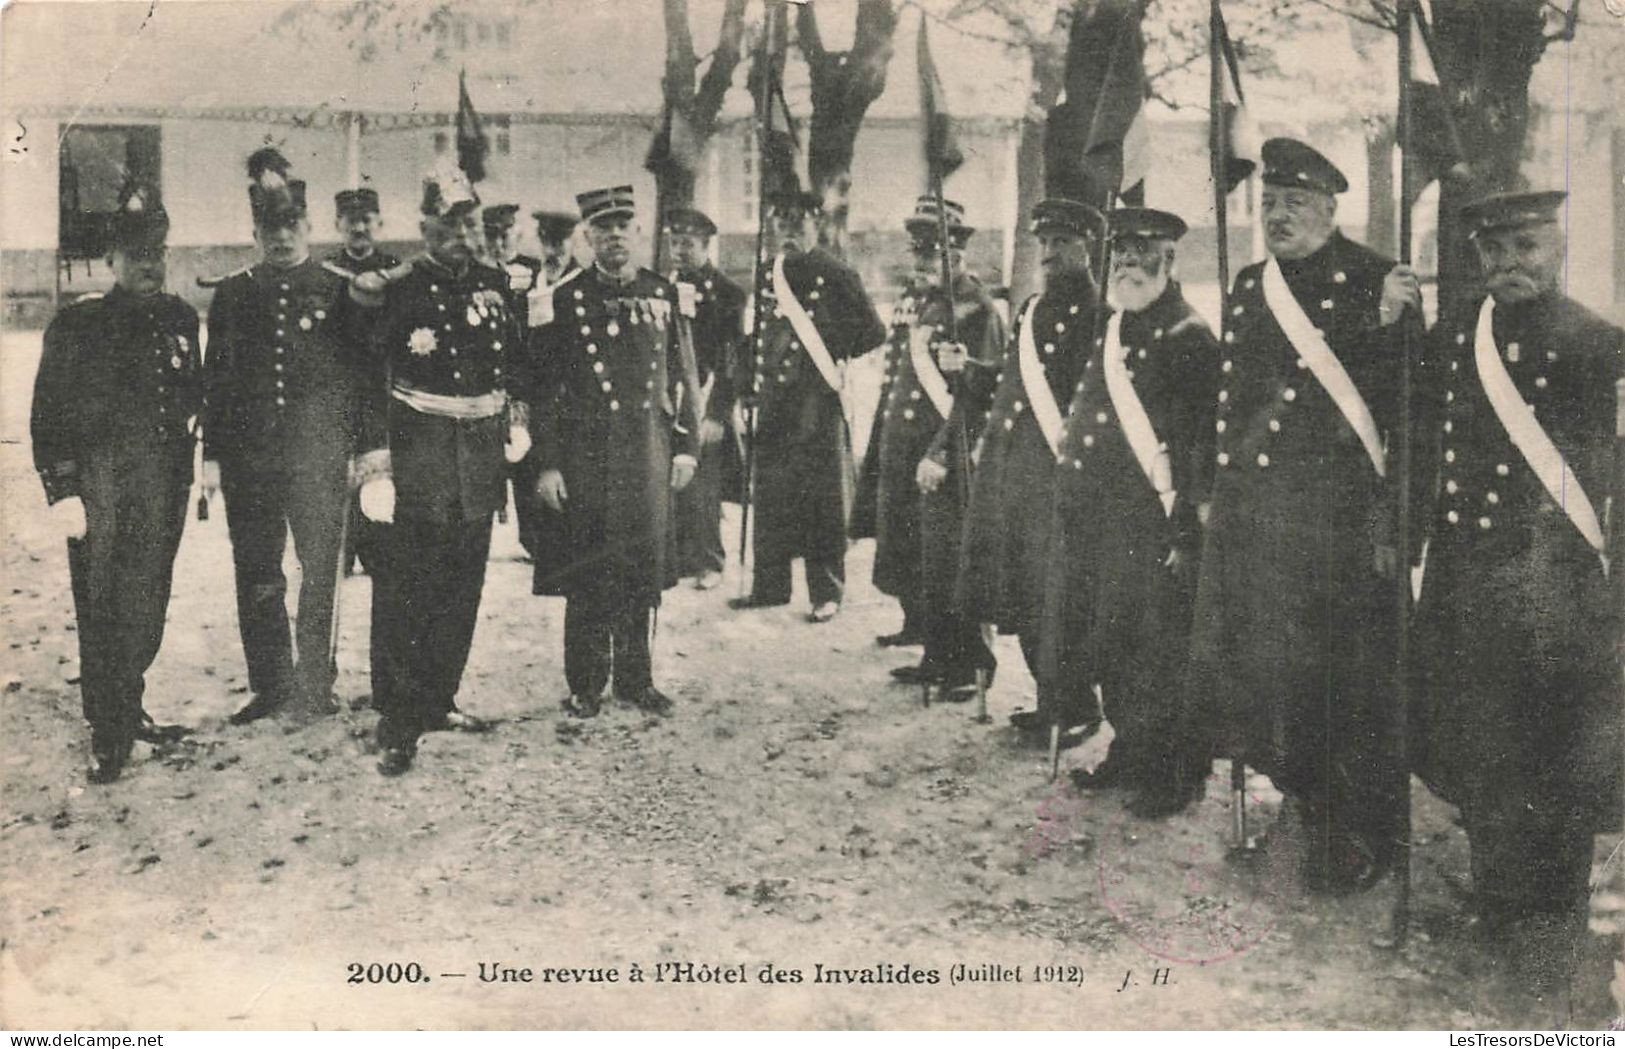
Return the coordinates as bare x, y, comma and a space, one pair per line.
1435, 142
942, 153
1095, 143
472, 143
1235, 134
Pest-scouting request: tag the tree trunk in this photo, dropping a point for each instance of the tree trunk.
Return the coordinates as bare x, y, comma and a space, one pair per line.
1486, 53
844, 84
1048, 67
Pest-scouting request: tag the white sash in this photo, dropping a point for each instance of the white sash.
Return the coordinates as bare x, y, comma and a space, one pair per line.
1142, 437
926, 370
1046, 413
1323, 363
1527, 434
804, 327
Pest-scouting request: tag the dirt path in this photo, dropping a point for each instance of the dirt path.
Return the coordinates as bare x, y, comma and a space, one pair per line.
797, 811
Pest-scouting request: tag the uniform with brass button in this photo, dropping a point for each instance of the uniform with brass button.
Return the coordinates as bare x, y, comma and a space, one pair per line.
1517, 714
1004, 561
1137, 446
119, 381
435, 432
611, 432
803, 470
283, 374
1293, 642
917, 533
717, 323
524, 274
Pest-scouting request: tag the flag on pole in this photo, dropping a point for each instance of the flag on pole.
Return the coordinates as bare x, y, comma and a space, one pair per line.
472, 143
1095, 142
942, 154
1235, 133
1435, 141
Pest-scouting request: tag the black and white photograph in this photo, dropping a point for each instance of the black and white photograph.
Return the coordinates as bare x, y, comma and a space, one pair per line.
832, 515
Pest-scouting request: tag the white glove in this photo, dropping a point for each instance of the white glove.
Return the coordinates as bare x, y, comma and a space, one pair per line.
539, 305
518, 443
378, 500
68, 517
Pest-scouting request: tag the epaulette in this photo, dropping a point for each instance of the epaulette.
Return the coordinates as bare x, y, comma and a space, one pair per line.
215, 282
89, 296
1190, 320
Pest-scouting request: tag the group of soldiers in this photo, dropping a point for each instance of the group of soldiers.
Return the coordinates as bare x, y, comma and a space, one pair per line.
1193, 537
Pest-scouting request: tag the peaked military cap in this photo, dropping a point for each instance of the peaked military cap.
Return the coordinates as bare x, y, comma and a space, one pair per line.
690, 220
1290, 163
140, 224
794, 198
1058, 214
499, 216
925, 225
1146, 222
609, 202
274, 199
446, 191
1503, 210
355, 201
554, 226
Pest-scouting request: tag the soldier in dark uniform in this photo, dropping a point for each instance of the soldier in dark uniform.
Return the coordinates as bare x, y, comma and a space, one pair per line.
715, 307
282, 379
118, 382
553, 232
613, 439
1518, 714
434, 465
1293, 639
919, 517
358, 221
524, 273
1005, 560
820, 316
1138, 441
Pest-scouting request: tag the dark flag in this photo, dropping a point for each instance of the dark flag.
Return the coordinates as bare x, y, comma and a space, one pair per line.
472, 143
942, 153
1095, 139
1235, 135
1435, 142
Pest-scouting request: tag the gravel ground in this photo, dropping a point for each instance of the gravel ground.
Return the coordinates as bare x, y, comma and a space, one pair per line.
798, 815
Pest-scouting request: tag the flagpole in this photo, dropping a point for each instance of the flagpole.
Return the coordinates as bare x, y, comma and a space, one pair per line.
764, 102
1402, 576
1218, 160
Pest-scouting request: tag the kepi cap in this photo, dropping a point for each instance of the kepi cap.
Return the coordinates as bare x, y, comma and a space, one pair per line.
609, 202
925, 225
355, 201
499, 216
1290, 163
554, 226
1504, 210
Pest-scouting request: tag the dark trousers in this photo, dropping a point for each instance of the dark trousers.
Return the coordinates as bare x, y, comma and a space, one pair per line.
826, 580
526, 503
121, 573
953, 643
262, 508
1527, 861
699, 517
606, 637
425, 603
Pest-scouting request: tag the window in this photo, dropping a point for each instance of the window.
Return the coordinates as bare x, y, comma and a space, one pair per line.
96, 164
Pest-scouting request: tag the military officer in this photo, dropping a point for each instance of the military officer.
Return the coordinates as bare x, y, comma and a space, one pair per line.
714, 306
433, 466
613, 440
918, 517
282, 378
1137, 441
1293, 638
554, 232
119, 381
820, 316
358, 221
1518, 718
1005, 559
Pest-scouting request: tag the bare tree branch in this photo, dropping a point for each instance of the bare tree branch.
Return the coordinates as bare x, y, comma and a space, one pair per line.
719, 76
1570, 22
